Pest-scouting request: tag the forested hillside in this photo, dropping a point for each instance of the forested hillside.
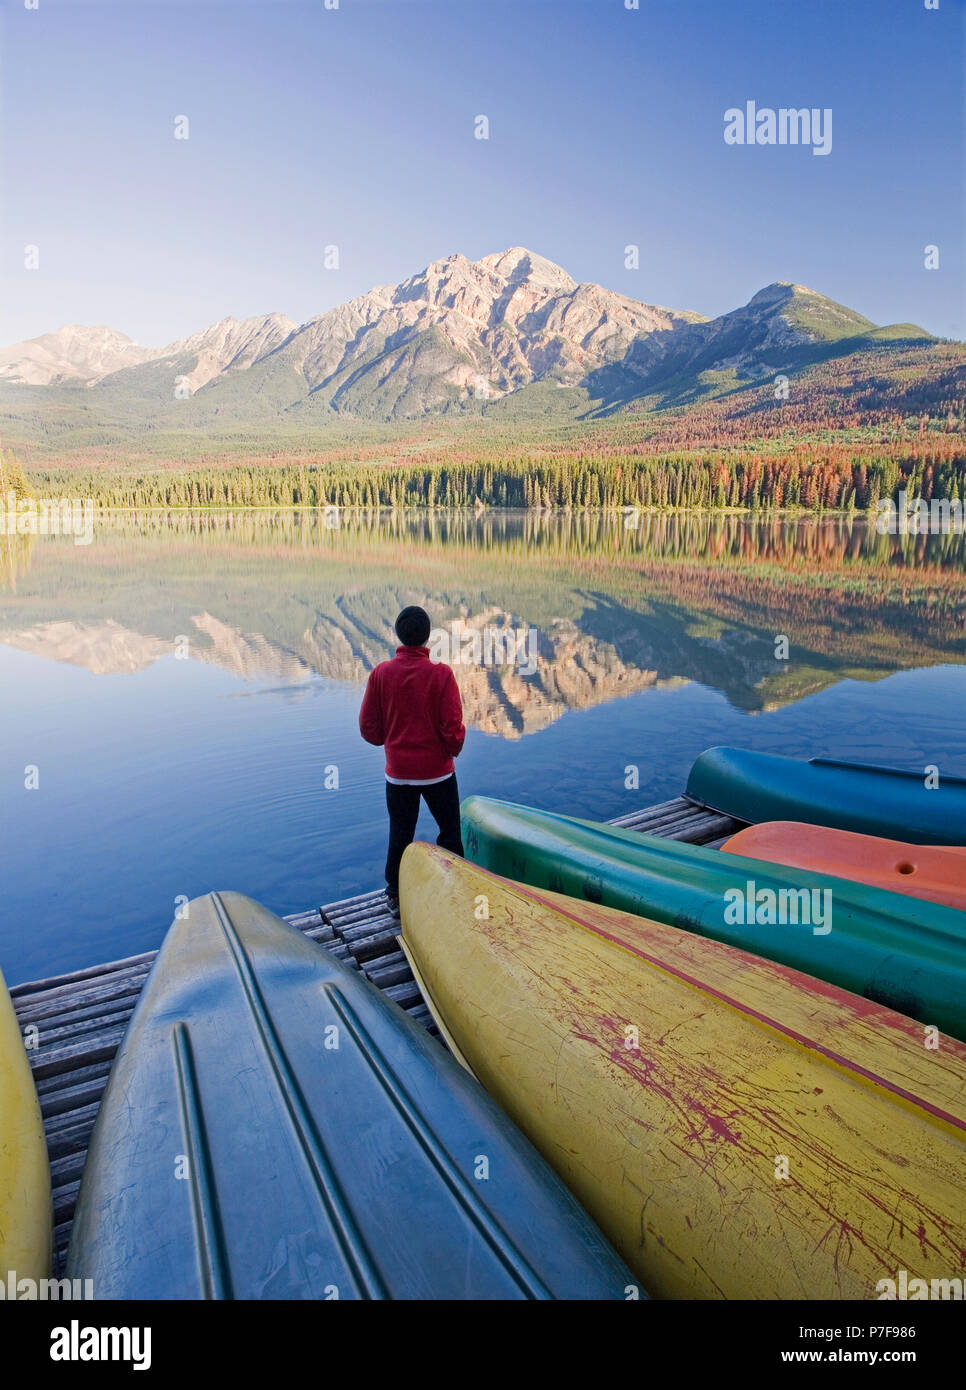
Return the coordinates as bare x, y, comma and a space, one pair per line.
808, 476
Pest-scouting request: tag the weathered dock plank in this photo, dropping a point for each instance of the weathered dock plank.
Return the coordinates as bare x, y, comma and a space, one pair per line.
58, 981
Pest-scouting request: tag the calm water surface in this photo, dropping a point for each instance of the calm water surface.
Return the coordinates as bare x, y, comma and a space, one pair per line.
183, 683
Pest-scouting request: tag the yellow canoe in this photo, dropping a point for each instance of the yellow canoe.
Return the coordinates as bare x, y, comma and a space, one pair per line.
25, 1212
738, 1129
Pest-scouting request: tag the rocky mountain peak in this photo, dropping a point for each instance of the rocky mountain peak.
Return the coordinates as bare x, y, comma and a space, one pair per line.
776, 293
456, 333
229, 345
518, 264
75, 352
231, 336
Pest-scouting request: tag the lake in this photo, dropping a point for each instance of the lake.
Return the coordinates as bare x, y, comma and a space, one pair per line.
186, 686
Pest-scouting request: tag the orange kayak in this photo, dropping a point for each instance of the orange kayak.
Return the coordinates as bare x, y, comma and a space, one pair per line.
936, 872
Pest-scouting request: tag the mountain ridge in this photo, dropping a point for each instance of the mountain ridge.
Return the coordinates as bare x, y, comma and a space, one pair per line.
458, 335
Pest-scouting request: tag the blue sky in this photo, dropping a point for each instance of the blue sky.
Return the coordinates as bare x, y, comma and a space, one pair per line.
354, 126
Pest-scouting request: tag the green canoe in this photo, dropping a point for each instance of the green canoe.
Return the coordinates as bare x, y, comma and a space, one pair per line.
915, 807
906, 953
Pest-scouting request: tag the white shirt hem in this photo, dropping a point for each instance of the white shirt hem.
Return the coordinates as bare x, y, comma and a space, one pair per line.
418, 782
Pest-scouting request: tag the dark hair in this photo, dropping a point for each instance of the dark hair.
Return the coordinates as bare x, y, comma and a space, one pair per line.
413, 627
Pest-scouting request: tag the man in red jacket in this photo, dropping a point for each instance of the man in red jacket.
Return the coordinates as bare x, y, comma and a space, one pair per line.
412, 706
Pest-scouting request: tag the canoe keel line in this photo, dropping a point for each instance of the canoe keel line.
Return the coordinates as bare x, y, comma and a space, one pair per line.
274, 1127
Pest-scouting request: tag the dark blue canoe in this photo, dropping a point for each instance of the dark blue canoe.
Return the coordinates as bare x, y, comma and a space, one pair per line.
884, 801
274, 1127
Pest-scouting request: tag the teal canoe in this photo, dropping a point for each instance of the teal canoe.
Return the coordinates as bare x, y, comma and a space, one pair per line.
906, 953
913, 807
275, 1128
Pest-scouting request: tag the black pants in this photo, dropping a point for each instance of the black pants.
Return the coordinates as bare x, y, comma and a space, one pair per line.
443, 800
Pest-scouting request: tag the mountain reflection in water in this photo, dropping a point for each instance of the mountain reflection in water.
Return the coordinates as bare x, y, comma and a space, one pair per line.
162, 778
614, 605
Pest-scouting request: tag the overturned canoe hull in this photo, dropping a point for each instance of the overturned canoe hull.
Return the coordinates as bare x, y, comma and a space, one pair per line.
923, 808
275, 1128
737, 1129
25, 1210
936, 873
899, 951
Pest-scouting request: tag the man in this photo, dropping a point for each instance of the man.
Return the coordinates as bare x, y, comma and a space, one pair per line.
412, 706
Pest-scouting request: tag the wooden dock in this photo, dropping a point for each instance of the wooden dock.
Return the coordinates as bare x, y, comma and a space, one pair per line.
76, 1022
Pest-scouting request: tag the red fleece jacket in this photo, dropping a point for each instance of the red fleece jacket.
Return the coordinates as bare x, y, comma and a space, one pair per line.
412, 705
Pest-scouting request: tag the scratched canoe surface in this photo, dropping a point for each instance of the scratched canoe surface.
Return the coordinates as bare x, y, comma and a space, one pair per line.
903, 952
864, 797
670, 1079
275, 1127
936, 872
25, 1208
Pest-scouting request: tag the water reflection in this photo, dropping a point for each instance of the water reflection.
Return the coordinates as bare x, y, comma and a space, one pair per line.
616, 603
162, 778
698, 535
